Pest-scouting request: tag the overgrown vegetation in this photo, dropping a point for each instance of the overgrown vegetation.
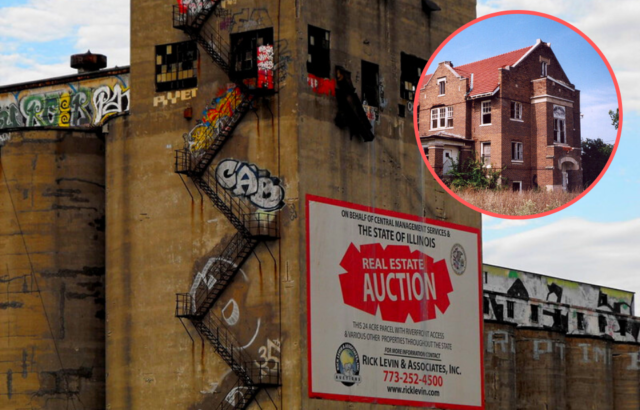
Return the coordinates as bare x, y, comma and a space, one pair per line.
507, 202
472, 174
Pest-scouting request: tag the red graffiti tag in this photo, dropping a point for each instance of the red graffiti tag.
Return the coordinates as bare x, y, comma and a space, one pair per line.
399, 282
319, 85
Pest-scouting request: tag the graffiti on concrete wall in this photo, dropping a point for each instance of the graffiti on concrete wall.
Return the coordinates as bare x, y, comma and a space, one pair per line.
326, 86
174, 97
531, 300
246, 19
247, 180
4, 138
265, 67
193, 6
68, 105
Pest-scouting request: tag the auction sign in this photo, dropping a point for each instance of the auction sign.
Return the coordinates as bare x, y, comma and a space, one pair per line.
395, 308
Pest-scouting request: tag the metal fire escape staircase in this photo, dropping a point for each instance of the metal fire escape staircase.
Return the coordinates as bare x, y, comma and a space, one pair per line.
252, 227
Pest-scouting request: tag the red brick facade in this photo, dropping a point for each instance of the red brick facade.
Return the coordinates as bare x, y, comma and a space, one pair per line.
547, 158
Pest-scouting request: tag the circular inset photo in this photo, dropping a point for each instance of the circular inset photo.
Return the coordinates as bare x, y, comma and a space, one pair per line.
518, 114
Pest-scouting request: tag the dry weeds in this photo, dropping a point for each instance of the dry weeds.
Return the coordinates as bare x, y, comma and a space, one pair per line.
516, 203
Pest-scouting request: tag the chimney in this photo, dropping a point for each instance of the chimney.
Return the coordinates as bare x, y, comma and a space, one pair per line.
88, 62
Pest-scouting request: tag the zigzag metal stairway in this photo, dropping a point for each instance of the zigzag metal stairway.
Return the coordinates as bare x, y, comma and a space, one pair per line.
252, 226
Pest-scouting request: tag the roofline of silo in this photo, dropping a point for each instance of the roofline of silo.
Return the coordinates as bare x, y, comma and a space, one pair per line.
107, 72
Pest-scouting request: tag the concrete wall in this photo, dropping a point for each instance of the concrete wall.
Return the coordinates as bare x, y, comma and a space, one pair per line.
52, 235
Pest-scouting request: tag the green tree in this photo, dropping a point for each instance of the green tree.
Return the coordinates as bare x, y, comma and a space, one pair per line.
595, 154
614, 117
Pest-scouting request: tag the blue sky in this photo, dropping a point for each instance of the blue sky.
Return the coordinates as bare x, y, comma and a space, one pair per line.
595, 240
580, 61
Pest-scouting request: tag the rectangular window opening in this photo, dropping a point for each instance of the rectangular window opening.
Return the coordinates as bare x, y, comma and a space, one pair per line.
517, 151
410, 70
244, 52
485, 152
516, 110
510, 309
486, 112
319, 49
516, 186
176, 66
442, 83
441, 118
370, 84
534, 313
580, 319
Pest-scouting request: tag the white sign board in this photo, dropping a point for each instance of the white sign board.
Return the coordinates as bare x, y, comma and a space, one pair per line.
395, 308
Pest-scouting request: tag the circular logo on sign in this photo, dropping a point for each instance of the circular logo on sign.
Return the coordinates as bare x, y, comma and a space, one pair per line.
347, 365
458, 259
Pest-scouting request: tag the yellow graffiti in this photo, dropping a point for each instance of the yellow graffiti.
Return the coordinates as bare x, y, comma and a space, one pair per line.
200, 138
223, 107
65, 110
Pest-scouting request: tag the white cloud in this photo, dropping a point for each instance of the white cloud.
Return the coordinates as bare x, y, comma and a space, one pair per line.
602, 253
507, 223
614, 29
99, 25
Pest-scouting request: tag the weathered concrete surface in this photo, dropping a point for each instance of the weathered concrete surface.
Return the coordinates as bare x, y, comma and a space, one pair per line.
52, 232
159, 237
589, 374
500, 366
626, 390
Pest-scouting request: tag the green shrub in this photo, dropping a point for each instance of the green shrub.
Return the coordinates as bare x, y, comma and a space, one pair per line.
473, 174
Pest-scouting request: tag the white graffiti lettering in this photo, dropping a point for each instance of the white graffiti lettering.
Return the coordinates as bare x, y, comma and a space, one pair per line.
246, 180
110, 101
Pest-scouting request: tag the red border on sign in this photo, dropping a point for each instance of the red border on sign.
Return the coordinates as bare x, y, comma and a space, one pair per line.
343, 397
604, 60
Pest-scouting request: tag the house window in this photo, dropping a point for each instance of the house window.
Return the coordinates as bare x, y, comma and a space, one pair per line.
176, 66
510, 309
244, 52
516, 186
580, 319
370, 84
410, 70
559, 124
544, 69
516, 110
534, 313
485, 151
318, 58
516, 151
486, 113
441, 118
441, 86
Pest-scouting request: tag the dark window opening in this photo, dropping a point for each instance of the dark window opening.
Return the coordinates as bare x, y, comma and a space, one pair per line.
516, 186
318, 59
370, 84
510, 309
602, 323
410, 70
623, 327
176, 66
401, 110
580, 319
534, 313
244, 52
485, 305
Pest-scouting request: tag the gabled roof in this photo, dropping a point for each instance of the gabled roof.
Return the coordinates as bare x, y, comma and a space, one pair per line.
485, 72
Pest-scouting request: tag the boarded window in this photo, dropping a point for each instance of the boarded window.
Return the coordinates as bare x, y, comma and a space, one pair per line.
318, 58
176, 66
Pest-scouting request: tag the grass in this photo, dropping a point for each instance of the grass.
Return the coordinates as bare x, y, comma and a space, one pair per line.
506, 202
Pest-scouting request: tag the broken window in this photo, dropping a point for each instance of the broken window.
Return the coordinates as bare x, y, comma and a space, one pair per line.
410, 70
370, 84
559, 125
485, 151
441, 118
510, 309
516, 151
486, 113
534, 313
318, 59
580, 319
516, 186
516, 110
442, 83
244, 52
176, 66
485, 305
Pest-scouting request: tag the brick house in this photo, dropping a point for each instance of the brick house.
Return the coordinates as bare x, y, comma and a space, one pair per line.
516, 110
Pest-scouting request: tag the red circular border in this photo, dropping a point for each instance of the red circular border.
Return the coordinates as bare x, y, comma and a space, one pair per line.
417, 102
